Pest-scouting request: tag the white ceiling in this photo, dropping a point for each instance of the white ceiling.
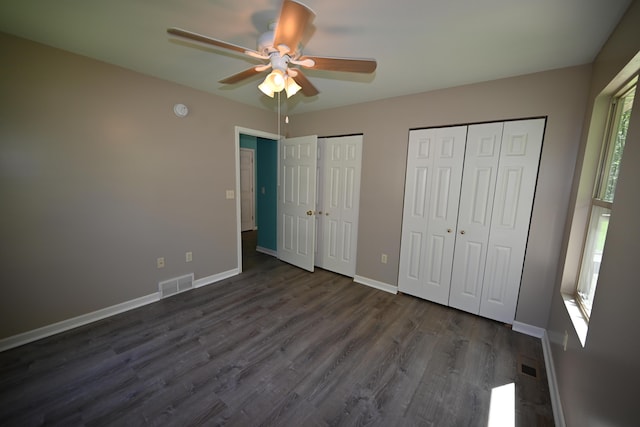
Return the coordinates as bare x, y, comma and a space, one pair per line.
420, 45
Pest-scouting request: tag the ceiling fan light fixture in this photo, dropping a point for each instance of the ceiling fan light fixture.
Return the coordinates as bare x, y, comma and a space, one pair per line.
266, 89
277, 81
291, 87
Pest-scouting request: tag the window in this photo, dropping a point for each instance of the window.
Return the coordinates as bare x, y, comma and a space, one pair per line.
603, 195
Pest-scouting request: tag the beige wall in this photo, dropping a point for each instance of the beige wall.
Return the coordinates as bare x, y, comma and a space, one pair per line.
561, 95
98, 178
598, 383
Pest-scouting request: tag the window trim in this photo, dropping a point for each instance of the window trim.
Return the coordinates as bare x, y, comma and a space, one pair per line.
607, 146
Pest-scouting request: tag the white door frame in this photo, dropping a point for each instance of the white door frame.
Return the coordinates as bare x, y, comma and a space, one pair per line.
251, 132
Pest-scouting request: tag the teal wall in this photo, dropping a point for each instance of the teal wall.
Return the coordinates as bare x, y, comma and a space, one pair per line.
266, 173
267, 193
248, 141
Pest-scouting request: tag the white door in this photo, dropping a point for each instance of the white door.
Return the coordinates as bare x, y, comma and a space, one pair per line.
515, 189
247, 190
296, 201
340, 160
474, 215
319, 250
432, 189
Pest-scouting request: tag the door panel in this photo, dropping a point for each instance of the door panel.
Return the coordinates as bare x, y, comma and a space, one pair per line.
482, 155
434, 171
297, 197
515, 189
338, 214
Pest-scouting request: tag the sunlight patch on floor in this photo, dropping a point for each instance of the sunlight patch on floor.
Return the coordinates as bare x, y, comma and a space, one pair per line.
502, 410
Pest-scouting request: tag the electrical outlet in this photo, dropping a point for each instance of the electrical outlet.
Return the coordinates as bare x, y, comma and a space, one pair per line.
565, 340
188, 256
383, 258
160, 262
230, 194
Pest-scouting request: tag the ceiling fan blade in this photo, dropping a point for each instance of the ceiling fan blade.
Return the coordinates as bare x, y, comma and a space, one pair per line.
242, 75
350, 65
291, 25
215, 42
308, 89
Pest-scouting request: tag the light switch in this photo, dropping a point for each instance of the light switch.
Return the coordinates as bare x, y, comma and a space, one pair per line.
230, 194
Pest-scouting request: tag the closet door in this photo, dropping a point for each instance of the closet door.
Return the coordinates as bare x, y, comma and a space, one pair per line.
515, 190
432, 188
338, 205
297, 201
474, 217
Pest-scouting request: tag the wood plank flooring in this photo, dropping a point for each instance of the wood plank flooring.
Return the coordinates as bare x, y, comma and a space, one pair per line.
275, 346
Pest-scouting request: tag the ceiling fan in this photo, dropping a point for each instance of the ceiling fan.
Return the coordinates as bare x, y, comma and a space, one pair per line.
282, 49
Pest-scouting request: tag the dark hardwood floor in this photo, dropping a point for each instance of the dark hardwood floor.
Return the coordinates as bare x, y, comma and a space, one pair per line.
275, 346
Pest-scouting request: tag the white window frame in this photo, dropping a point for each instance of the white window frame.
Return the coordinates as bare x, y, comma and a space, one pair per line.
599, 207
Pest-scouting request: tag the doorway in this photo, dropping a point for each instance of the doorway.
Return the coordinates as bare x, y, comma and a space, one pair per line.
335, 209
262, 236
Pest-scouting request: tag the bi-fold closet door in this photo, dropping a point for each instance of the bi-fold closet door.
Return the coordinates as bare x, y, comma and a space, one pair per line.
468, 198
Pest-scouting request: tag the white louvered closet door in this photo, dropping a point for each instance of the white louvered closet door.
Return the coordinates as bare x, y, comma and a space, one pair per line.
434, 172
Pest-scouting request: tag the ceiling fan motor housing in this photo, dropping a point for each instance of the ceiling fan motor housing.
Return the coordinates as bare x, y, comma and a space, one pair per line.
279, 62
265, 43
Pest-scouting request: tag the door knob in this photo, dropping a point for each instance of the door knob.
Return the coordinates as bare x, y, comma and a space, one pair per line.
449, 230
309, 213
319, 212
462, 232
326, 213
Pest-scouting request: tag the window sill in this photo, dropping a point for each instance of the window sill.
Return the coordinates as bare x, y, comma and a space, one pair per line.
580, 323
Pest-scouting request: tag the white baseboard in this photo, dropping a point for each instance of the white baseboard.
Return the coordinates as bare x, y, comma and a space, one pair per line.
376, 284
556, 404
215, 278
554, 393
74, 322
84, 319
267, 251
530, 330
